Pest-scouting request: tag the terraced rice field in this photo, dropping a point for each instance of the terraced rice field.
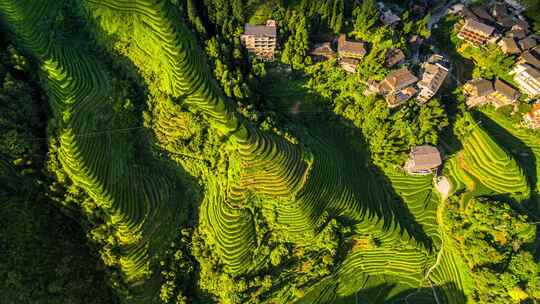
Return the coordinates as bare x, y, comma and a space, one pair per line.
139, 197
487, 163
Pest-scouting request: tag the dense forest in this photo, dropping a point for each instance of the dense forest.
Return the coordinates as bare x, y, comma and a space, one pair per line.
147, 156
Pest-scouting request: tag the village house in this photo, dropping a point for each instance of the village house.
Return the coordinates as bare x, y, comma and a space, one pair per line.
349, 64
433, 77
322, 51
501, 15
260, 40
480, 92
475, 32
521, 25
350, 53
394, 56
499, 11
509, 46
528, 78
482, 13
531, 119
423, 160
527, 43
517, 34
530, 58
477, 92
503, 94
515, 4
398, 86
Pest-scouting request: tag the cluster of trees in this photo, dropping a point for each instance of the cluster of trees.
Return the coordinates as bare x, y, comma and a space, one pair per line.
389, 133
532, 10
489, 63
45, 257
286, 267
219, 25
178, 271
497, 244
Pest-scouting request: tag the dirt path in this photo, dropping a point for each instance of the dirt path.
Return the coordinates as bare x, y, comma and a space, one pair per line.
443, 186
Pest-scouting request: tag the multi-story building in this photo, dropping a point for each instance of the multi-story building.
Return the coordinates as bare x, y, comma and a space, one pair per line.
528, 78
476, 32
260, 40
398, 86
432, 79
477, 92
350, 52
503, 94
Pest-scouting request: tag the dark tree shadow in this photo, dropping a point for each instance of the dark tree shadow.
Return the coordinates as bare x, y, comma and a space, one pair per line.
383, 294
522, 153
339, 141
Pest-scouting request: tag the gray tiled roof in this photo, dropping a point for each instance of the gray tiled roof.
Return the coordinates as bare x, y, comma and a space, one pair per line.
506, 90
425, 157
260, 30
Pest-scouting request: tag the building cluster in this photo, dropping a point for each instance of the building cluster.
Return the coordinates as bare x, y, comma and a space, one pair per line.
401, 84
503, 24
498, 93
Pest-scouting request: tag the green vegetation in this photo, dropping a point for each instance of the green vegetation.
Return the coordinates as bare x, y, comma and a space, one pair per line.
203, 175
483, 164
495, 242
45, 257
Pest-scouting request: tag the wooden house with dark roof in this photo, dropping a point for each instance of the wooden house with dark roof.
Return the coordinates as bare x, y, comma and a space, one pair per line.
423, 160
351, 49
393, 57
476, 32
398, 86
350, 52
527, 43
503, 94
531, 58
509, 46
477, 92
322, 51
482, 13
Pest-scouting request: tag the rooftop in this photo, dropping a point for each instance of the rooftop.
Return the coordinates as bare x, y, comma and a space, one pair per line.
425, 157
510, 44
528, 43
481, 87
506, 90
530, 58
260, 30
324, 48
356, 47
394, 56
400, 78
478, 27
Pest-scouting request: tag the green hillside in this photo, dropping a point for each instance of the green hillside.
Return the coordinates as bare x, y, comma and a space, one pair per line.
201, 174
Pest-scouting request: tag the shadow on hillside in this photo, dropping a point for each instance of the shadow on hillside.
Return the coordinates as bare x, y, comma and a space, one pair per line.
383, 294
184, 193
373, 189
522, 153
